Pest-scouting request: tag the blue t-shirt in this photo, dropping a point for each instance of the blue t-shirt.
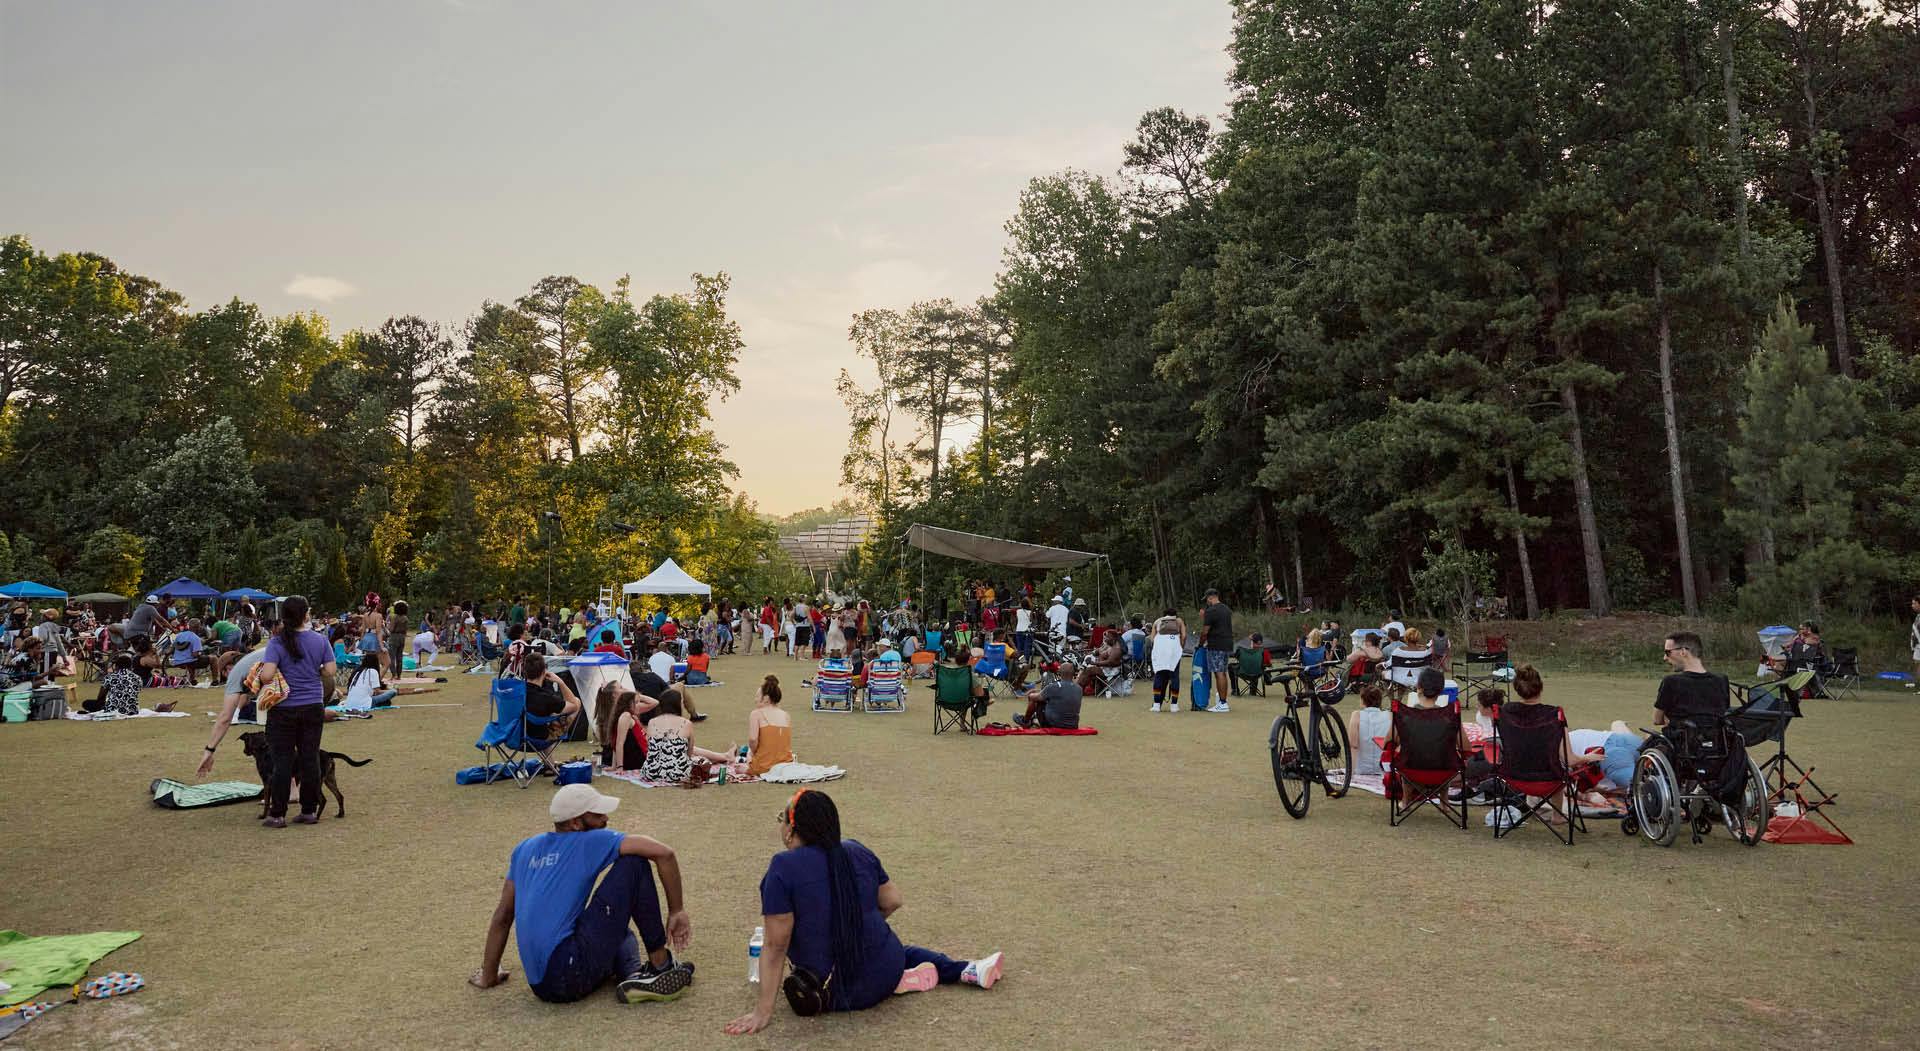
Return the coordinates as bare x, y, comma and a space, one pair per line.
552, 874
796, 882
303, 675
186, 647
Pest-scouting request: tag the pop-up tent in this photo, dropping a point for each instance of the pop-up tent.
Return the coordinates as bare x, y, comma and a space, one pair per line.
249, 594
667, 579
182, 587
102, 598
28, 589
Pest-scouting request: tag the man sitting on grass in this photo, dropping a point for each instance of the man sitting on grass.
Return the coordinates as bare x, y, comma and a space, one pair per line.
569, 945
1055, 706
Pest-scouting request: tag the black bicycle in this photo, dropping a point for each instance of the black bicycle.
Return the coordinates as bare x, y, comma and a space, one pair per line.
1317, 753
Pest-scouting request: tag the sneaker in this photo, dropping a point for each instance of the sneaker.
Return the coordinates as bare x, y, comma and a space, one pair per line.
918, 979
1155, 708
1219, 706
306, 819
274, 822
1020, 721
984, 972
651, 985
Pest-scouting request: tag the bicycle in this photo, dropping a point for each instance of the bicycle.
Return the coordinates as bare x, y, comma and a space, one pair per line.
1321, 753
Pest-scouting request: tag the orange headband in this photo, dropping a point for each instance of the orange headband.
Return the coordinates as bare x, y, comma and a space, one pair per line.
791, 802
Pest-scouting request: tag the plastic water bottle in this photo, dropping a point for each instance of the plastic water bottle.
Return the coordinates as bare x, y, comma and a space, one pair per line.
754, 945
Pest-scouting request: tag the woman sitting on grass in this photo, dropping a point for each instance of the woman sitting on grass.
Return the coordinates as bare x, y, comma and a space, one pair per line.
769, 730
671, 754
825, 902
697, 663
624, 736
1367, 722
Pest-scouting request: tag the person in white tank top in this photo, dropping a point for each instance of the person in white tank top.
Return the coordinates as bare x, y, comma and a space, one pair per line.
1169, 645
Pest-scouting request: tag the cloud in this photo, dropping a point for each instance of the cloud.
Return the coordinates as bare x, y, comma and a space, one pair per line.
315, 287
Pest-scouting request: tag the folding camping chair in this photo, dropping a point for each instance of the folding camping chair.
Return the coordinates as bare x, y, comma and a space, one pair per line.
886, 688
1250, 667
1427, 762
953, 704
920, 665
514, 735
1530, 762
833, 686
1840, 676
993, 664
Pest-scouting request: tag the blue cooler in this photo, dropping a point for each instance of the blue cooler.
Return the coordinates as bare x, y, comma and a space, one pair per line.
578, 772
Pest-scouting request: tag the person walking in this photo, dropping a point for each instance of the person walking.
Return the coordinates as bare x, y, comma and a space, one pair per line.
305, 661
1216, 622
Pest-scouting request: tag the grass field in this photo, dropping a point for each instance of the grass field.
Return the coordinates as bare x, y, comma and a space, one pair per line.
1145, 885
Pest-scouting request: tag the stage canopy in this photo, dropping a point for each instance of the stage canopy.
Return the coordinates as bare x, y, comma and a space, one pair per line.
181, 587
667, 579
993, 550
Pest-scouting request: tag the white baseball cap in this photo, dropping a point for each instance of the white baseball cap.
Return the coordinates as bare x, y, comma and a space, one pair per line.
574, 800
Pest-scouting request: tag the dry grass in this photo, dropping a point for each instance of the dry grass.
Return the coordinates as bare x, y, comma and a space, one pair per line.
1144, 884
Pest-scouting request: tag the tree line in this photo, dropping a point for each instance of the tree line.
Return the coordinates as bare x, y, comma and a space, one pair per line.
567, 427
1593, 305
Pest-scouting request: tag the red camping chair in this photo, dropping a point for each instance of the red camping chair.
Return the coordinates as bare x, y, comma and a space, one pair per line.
1531, 763
1427, 762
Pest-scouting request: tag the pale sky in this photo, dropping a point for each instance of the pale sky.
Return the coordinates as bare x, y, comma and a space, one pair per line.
372, 159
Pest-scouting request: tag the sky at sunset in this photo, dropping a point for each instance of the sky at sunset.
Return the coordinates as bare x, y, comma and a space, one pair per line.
365, 160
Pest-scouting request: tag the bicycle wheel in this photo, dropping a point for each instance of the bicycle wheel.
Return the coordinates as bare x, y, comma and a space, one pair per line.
1336, 757
1290, 759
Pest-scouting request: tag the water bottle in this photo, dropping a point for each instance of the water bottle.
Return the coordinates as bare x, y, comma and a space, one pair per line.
754, 944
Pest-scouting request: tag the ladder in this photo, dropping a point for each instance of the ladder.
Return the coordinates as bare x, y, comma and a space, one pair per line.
606, 602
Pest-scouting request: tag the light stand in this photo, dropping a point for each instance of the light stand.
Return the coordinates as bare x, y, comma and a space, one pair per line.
546, 517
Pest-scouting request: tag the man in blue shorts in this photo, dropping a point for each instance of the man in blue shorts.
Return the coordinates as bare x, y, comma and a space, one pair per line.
569, 945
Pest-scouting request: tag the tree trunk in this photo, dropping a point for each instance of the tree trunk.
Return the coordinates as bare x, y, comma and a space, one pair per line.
1598, 601
1299, 569
1520, 544
1730, 90
1267, 519
1162, 570
1823, 207
1689, 596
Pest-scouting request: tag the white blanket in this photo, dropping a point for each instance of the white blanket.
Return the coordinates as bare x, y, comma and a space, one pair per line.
800, 773
107, 717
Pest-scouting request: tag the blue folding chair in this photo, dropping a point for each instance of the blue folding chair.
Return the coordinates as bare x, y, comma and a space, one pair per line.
515, 736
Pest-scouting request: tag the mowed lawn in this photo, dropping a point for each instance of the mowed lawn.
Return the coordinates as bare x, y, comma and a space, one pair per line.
1145, 885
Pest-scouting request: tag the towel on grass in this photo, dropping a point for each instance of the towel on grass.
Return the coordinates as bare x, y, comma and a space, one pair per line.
37, 964
802, 773
107, 717
633, 778
997, 730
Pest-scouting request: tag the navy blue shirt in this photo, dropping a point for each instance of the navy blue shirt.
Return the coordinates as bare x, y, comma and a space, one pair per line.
796, 882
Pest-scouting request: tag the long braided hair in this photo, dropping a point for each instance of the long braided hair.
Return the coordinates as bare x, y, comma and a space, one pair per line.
816, 822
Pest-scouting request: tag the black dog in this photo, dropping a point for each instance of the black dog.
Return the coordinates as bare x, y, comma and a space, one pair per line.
255, 744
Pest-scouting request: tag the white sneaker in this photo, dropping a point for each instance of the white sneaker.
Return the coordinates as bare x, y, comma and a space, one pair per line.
1218, 707
983, 972
1155, 708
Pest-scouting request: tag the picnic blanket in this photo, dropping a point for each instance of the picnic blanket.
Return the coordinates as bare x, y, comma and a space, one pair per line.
38, 964
107, 717
415, 680
802, 773
998, 730
177, 795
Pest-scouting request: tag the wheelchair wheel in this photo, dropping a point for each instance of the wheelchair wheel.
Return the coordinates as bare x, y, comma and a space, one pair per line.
1336, 758
1656, 798
1748, 821
1289, 754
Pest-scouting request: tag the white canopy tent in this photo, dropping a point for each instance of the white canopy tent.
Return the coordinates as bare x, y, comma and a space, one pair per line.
667, 579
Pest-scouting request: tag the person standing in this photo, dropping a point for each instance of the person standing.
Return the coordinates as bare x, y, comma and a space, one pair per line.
1023, 628
1216, 622
399, 633
1169, 645
293, 726
1913, 640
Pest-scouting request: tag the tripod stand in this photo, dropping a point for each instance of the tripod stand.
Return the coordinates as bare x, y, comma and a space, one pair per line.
1796, 804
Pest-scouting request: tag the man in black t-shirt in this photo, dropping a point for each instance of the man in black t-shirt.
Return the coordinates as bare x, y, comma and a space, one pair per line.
1691, 689
1216, 638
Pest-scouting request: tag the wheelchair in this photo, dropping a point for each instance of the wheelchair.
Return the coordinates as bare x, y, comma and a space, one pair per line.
1682, 779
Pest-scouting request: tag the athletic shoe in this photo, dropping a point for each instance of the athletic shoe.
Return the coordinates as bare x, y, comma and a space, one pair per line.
1155, 708
274, 822
984, 972
1020, 721
306, 819
918, 979
655, 985
1219, 707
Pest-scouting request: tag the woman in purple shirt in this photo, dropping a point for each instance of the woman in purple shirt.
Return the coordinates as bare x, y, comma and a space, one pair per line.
293, 726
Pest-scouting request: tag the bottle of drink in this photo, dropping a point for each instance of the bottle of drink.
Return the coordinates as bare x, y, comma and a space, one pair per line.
754, 945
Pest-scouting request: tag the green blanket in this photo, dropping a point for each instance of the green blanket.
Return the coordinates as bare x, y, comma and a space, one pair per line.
177, 796
37, 964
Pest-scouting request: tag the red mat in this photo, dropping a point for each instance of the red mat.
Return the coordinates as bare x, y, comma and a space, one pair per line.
1802, 829
1015, 731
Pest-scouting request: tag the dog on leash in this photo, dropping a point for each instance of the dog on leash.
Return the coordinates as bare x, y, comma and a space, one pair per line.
255, 744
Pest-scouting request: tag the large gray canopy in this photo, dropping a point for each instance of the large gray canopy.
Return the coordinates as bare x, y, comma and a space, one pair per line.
992, 550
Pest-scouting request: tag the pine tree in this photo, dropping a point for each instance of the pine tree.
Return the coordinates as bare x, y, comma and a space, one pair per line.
1799, 435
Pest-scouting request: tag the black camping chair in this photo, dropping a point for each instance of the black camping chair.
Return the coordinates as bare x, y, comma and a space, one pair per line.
1427, 763
1531, 763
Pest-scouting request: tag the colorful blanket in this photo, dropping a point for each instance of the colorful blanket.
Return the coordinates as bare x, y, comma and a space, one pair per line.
633, 778
998, 730
107, 717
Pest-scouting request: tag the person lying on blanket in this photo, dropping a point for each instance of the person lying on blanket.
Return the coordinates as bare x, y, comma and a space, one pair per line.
824, 902
1055, 706
570, 945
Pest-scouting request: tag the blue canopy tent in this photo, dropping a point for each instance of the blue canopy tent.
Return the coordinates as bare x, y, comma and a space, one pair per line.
29, 589
250, 594
182, 587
